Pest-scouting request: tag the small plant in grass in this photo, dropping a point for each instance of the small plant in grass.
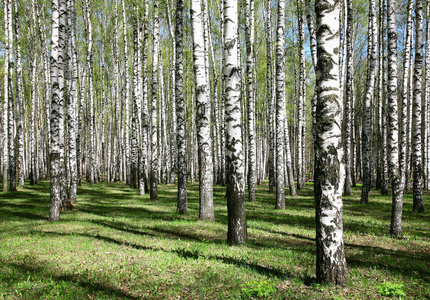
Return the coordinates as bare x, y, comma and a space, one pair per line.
259, 289
389, 289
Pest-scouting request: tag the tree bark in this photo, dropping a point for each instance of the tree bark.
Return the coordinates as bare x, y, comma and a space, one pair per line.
329, 168
237, 229
418, 205
203, 117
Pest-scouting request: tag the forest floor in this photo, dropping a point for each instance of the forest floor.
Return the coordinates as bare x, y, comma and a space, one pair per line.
118, 245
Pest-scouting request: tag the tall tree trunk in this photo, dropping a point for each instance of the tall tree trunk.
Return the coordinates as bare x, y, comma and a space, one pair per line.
11, 113
19, 105
182, 206
280, 108
57, 105
383, 97
252, 164
5, 158
270, 104
329, 168
427, 102
127, 97
203, 118
301, 108
348, 95
154, 142
418, 205
237, 229
366, 134
393, 134
72, 101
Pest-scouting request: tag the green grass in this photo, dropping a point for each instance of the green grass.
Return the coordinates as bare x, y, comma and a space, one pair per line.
116, 245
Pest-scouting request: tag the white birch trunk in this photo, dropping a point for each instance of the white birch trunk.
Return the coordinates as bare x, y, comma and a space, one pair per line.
329, 168
237, 229
203, 116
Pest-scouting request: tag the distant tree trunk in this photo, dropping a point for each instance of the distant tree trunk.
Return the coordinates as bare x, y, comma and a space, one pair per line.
393, 134
19, 105
280, 108
203, 118
288, 162
418, 205
252, 164
366, 135
143, 181
5, 158
301, 109
154, 142
72, 100
404, 172
182, 206
270, 104
329, 168
11, 113
348, 95
383, 98
57, 105
116, 143
237, 230
127, 98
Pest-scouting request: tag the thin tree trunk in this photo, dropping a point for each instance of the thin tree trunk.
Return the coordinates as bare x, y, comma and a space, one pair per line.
5, 158
154, 142
366, 134
418, 205
280, 108
393, 134
19, 103
250, 98
182, 206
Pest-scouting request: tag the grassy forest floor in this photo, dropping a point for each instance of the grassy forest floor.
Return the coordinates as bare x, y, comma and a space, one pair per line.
116, 244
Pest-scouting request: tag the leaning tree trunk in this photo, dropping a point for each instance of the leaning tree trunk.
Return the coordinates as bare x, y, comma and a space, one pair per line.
418, 205
237, 230
329, 168
182, 206
57, 105
280, 108
203, 118
366, 135
393, 134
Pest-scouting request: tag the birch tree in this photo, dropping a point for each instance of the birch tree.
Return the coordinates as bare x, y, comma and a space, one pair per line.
182, 206
5, 158
418, 205
57, 105
329, 168
154, 148
203, 117
237, 230
366, 134
280, 107
252, 164
393, 134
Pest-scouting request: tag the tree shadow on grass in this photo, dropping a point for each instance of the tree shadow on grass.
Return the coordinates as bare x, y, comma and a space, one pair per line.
31, 268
